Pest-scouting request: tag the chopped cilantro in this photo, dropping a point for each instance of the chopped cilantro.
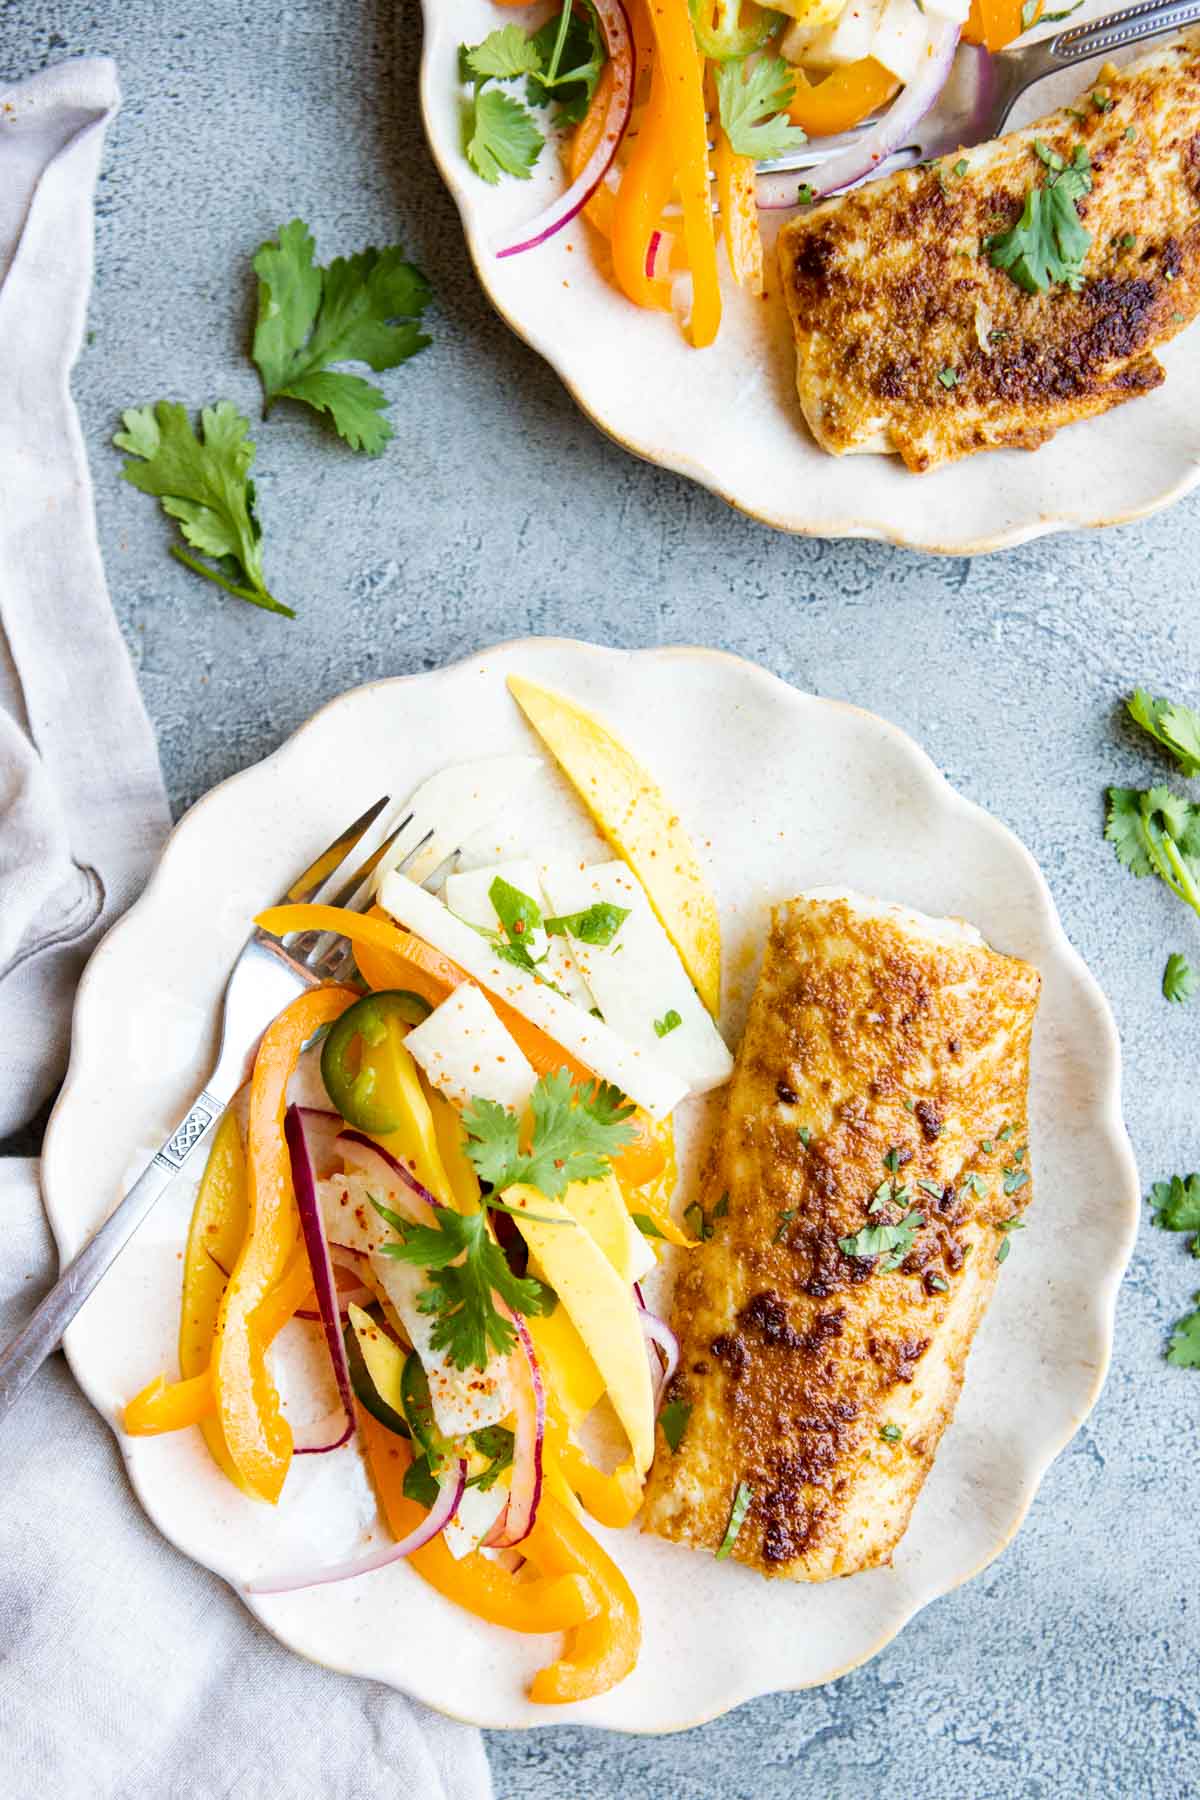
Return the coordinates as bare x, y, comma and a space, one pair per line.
1015, 1179
933, 1188
805, 1136
753, 102
891, 1434
646, 1225
1131, 134
785, 1219
1048, 244
737, 1517
420, 1483
939, 1284
961, 166
805, 194
673, 1421
496, 1442
891, 1242
1102, 100
669, 1022
702, 1224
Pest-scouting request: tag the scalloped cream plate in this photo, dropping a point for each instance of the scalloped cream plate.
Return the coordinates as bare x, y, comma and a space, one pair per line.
781, 791
728, 416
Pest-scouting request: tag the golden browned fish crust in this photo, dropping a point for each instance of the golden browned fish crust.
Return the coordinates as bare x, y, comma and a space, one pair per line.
889, 289
880, 1047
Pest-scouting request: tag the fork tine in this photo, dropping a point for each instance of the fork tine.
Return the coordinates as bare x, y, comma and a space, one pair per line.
348, 894
319, 871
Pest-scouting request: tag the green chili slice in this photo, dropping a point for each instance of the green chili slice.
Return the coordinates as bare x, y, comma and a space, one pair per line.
353, 1061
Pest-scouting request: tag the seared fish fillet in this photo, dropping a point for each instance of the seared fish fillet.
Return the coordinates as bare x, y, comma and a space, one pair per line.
909, 340
881, 1048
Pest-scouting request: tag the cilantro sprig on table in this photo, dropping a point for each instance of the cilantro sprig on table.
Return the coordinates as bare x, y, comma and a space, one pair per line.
203, 481
561, 64
1157, 832
1177, 1208
753, 102
1175, 727
364, 308
1180, 980
1048, 245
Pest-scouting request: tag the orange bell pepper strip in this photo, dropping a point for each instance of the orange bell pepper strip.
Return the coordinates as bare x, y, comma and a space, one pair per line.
217, 1232
482, 1587
166, 1405
603, 1651
389, 957
739, 214
687, 135
588, 132
646, 185
995, 23
612, 1500
842, 99
257, 1436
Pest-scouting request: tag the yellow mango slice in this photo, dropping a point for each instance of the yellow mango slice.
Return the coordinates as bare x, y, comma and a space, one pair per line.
635, 816
600, 1306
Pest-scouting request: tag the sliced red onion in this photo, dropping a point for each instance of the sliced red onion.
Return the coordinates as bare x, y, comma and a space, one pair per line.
892, 132
304, 1180
516, 1521
450, 1493
363, 1154
615, 24
660, 1342
346, 1298
320, 1130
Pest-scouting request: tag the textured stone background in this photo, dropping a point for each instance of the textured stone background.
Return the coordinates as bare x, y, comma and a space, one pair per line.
1070, 1667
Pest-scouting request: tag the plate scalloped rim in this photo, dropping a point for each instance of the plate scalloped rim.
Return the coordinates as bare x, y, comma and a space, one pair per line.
71, 1221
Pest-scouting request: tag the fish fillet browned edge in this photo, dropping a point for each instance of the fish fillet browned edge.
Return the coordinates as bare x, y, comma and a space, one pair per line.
909, 340
882, 1074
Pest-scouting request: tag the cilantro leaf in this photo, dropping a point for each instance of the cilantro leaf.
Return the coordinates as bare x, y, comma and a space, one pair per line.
204, 483
503, 55
673, 1421
577, 1130
669, 1022
891, 1434
1157, 833
1180, 979
1184, 1351
364, 308
504, 140
1048, 244
1175, 727
737, 1516
1177, 1202
599, 924
572, 57
646, 1225
420, 1483
519, 914
495, 1442
753, 104
467, 1269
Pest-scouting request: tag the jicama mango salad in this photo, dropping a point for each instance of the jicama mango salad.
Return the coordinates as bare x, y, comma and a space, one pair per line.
467, 1215
669, 114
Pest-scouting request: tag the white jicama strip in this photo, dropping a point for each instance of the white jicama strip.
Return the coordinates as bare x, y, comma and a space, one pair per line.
477, 1512
642, 1077
467, 1054
901, 39
638, 978
463, 1399
469, 897
850, 39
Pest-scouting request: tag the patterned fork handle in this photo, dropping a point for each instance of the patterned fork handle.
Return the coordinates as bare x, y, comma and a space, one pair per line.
20, 1360
1100, 37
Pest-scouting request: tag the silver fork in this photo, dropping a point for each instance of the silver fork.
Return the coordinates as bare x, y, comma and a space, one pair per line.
982, 89
268, 973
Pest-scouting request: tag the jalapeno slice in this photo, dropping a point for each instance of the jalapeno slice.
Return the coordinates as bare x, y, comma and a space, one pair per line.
354, 1061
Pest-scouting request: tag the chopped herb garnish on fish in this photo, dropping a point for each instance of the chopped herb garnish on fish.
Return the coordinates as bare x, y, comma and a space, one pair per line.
891, 1434
737, 1517
785, 1219
1048, 244
673, 1419
646, 1225
891, 1242
938, 1284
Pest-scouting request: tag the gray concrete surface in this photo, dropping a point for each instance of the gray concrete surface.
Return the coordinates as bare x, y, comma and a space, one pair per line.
1071, 1667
